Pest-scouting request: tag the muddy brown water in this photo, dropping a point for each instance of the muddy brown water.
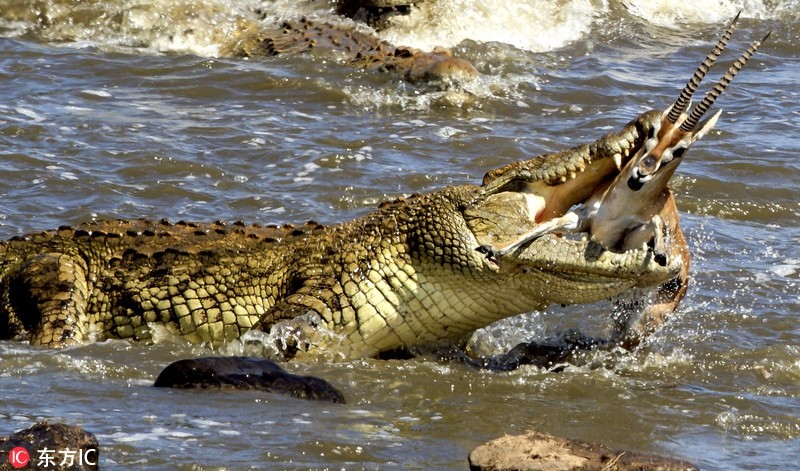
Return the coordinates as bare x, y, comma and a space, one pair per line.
123, 110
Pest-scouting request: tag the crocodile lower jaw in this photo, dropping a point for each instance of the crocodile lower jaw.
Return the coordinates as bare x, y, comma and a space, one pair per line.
590, 263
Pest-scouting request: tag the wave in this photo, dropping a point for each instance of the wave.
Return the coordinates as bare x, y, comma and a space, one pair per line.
203, 27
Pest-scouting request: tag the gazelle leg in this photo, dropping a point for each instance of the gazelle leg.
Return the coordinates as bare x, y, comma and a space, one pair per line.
572, 221
659, 240
638, 316
653, 231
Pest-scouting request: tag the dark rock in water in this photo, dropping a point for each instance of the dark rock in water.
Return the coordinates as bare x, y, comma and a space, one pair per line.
374, 12
542, 452
245, 373
51, 447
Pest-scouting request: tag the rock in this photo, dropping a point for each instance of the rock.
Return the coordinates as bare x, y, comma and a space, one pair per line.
374, 12
51, 447
381, 3
542, 452
245, 373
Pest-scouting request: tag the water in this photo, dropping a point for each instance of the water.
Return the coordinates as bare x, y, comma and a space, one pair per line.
125, 109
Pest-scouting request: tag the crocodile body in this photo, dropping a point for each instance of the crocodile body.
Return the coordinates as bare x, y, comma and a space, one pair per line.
352, 46
409, 273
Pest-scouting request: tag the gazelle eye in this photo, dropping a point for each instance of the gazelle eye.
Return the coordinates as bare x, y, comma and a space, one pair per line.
678, 153
648, 164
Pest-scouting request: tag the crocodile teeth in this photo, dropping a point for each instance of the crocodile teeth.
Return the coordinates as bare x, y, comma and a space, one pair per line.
618, 160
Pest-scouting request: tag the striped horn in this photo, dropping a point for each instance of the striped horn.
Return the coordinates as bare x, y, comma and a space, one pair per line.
715, 92
691, 86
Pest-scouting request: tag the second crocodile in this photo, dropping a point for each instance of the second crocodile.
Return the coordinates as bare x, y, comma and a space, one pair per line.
438, 68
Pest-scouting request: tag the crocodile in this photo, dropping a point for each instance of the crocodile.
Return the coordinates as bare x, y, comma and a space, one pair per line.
360, 49
416, 271
410, 273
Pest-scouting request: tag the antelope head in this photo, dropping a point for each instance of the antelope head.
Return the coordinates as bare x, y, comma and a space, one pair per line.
676, 131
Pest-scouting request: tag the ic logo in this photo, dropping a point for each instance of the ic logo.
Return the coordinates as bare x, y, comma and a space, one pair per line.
18, 457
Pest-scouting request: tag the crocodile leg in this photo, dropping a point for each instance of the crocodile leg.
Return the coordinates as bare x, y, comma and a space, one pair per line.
294, 321
48, 295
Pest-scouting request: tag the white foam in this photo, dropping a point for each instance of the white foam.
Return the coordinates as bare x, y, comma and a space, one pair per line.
534, 26
36, 117
207, 423
448, 132
205, 27
157, 433
99, 93
672, 14
789, 267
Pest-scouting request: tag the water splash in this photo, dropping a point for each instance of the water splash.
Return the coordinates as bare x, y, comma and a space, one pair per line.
672, 14
533, 26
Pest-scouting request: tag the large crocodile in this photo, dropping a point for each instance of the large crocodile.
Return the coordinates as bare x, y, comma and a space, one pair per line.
414, 272
407, 274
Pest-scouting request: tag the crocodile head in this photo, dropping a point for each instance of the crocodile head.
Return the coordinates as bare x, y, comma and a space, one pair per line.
516, 197
645, 153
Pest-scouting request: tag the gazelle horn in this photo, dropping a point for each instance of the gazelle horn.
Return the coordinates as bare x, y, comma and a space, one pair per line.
691, 86
715, 92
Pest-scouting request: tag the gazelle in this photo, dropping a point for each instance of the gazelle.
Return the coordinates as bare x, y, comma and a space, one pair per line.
625, 213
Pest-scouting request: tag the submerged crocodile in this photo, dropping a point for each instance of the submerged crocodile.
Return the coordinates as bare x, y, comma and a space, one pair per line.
410, 273
354, 47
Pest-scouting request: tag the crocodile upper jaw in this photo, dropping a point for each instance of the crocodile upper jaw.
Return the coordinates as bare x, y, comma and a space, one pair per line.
517, 197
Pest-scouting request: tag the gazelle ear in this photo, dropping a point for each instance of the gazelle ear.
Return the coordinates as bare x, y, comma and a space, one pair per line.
704, 127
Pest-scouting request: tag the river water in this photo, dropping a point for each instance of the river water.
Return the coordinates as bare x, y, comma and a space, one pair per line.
124, 109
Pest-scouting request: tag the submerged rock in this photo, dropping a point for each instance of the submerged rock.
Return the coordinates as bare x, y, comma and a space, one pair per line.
50, 446
374, 12
542, 452
245, 373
